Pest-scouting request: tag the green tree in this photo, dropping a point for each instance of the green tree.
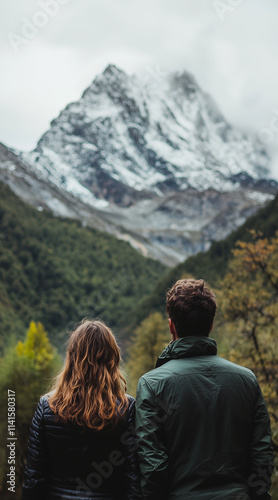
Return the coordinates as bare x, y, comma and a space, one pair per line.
26, 368
149, 340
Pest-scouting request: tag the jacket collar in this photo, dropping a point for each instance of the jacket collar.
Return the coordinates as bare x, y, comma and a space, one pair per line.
187, 347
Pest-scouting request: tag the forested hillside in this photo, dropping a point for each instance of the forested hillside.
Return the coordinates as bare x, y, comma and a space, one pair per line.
55, 271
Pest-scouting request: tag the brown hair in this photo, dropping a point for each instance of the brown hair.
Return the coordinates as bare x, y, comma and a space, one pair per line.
191, 306
90, 389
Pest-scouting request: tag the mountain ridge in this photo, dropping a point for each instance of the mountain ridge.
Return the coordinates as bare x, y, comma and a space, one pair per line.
154, 163
119, 125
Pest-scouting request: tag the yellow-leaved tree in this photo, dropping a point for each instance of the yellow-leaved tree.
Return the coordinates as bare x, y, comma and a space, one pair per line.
249, 303
26, 369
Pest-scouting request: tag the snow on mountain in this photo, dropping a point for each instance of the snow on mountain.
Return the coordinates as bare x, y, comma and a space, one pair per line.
35, 189
125, 136
154, 163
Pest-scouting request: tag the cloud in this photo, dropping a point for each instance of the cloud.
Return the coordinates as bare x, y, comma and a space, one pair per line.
234, 59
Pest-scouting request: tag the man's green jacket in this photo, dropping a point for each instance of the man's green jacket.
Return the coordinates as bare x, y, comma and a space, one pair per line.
202, 426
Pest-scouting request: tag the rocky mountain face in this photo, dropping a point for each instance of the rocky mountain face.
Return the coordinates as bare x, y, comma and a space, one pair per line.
155, 163
36, 190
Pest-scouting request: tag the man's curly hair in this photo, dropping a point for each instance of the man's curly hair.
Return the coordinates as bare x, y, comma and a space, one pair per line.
191, 306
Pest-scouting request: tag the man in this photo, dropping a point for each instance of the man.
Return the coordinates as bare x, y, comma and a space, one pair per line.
202, 424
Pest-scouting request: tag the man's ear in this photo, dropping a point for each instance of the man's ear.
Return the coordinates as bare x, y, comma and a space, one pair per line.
172, 329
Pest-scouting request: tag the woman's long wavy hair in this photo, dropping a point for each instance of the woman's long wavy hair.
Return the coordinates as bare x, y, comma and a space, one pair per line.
90, 389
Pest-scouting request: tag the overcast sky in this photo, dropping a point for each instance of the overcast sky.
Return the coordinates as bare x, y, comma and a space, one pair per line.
52, 49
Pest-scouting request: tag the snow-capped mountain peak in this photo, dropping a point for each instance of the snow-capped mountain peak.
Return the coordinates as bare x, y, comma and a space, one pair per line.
150, 158
125, 136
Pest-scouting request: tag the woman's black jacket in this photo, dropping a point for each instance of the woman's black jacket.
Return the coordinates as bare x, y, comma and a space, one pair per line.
66, 461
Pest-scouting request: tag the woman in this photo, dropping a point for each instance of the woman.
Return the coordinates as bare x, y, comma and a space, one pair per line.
82, 443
